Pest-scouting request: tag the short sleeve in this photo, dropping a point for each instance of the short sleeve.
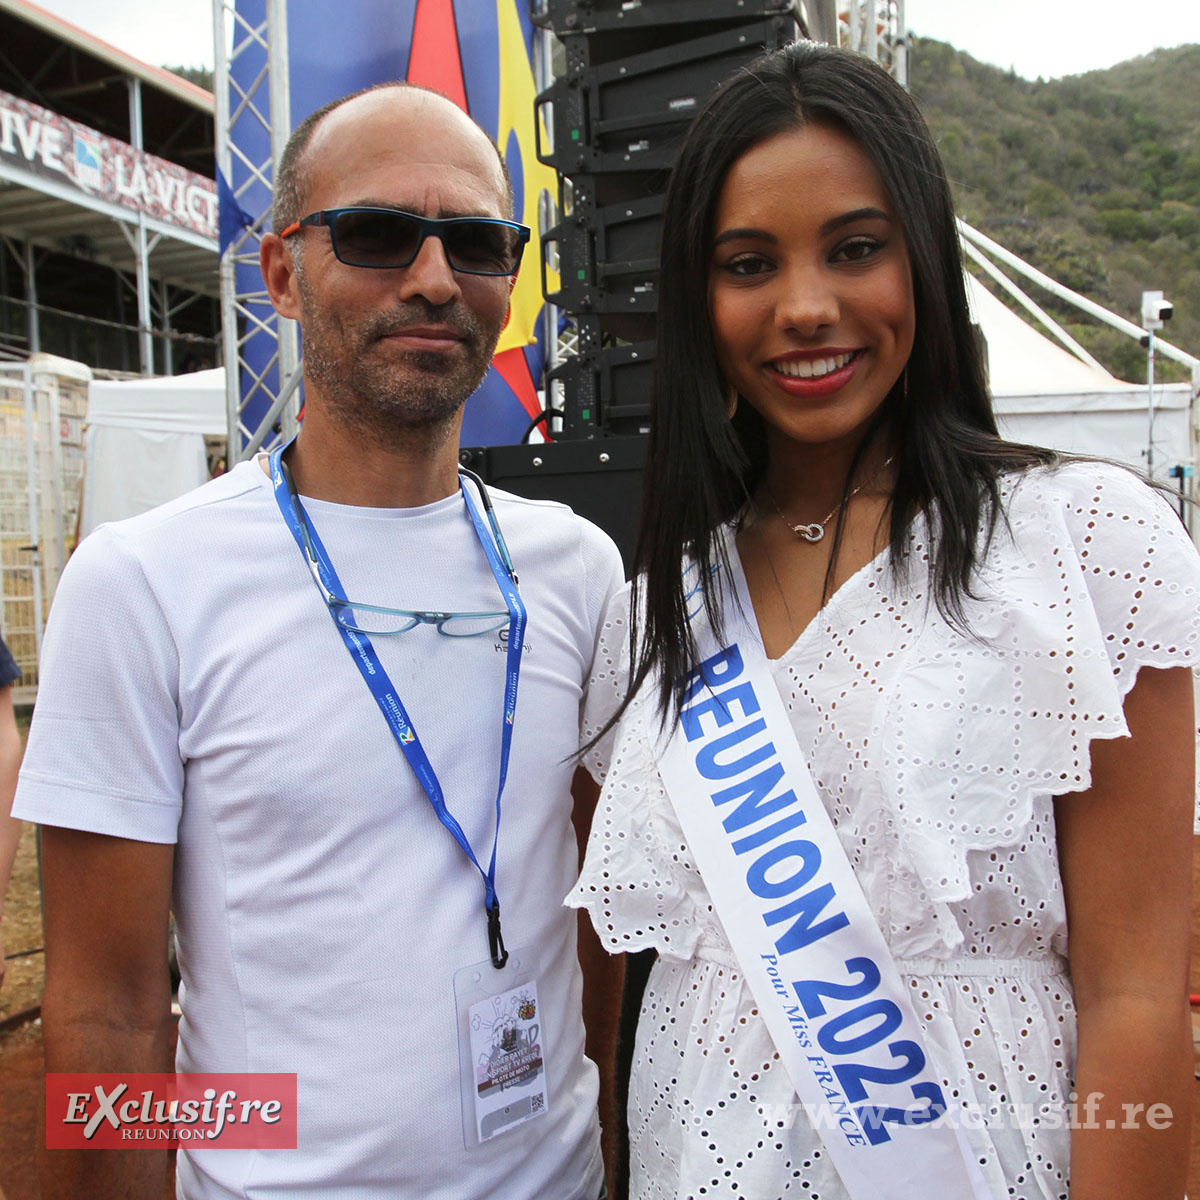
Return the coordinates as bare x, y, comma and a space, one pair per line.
607, 683
1139, 565
103, 750
9, 671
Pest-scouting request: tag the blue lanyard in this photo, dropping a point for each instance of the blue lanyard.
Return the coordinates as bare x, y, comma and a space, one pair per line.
405, 733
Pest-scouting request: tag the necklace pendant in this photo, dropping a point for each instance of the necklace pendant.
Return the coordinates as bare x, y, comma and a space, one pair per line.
810, 533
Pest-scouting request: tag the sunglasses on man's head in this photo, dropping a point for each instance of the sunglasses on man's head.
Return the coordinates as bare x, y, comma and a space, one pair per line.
385, 237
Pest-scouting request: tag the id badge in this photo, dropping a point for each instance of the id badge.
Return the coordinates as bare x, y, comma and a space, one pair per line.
502, 1066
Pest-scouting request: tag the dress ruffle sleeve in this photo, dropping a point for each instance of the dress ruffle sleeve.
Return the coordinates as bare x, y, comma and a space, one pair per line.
606, 684
1090, 577
638, 883
1140, 568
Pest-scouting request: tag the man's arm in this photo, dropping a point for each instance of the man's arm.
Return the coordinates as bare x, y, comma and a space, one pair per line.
10, 827
107, 1004
603, 981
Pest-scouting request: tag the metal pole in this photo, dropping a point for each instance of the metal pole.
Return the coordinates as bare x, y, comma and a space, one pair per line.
900, 51
1030, 306
287, 332
141, 252
34, 525
168, 367
1081, 302
135, 113
225, 269
141, 255
34, 327
1150, 403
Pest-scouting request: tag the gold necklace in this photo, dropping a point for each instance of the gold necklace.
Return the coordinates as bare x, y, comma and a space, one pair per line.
815, 531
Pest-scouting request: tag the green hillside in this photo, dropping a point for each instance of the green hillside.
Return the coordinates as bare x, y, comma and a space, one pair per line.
1094, 179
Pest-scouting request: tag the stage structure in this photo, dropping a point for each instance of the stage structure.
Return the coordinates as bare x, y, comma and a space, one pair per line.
277, 62
108, 266
108, 208
617, 84
250, 81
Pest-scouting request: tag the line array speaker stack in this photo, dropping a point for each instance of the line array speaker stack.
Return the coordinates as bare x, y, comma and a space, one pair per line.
636, 74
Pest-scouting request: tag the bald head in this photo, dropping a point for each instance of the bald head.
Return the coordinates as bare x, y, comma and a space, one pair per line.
331, 130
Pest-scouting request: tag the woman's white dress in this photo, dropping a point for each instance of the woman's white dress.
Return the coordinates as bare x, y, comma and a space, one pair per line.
937, 753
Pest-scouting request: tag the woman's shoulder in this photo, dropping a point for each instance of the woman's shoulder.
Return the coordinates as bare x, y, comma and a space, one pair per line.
1092, 488
1082, 481
1106, 511
1092, 544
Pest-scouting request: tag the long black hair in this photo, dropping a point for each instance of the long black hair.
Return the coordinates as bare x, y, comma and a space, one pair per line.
702, 466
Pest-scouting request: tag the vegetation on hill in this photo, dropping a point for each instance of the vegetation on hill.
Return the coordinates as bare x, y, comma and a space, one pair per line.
1094, 179
200, 76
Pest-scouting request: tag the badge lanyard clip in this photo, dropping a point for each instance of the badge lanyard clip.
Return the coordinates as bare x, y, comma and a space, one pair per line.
495, 937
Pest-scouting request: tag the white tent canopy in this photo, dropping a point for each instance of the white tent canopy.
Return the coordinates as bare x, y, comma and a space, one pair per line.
145, 442
1045, 395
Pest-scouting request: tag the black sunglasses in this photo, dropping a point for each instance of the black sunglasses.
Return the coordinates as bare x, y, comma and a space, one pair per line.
386, 237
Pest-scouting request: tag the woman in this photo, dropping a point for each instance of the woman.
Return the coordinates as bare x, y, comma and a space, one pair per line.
957, 628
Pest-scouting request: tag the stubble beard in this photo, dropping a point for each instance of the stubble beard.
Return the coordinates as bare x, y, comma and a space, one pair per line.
389, 398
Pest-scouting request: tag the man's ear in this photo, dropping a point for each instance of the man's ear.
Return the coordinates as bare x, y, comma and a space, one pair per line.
280, 276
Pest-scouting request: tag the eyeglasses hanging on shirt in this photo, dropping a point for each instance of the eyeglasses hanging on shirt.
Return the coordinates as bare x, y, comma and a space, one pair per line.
382, 621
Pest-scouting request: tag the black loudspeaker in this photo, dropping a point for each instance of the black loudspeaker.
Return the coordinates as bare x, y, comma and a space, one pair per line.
631, 114
636, 73
566, 17
605, 390
601, 480
607, 257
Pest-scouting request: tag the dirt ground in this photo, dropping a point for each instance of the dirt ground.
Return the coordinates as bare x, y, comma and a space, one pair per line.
21, 1049
22, 988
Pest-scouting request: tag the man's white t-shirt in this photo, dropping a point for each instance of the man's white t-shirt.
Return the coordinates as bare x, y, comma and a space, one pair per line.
195, 690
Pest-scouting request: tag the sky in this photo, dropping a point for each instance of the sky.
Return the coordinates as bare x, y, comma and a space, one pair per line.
1052, 38
1034, 37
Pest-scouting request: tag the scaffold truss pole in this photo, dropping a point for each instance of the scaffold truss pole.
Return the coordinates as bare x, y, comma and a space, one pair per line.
262, 102
876, 28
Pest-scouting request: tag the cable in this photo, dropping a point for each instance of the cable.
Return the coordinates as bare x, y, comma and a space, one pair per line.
548, 411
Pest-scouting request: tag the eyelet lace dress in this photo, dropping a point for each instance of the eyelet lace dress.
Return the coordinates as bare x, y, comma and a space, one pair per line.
937, 754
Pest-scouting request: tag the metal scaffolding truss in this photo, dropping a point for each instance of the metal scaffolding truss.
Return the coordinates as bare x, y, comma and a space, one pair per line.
252, 108
877, 29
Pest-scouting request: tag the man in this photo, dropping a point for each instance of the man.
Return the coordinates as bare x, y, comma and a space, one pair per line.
201, 716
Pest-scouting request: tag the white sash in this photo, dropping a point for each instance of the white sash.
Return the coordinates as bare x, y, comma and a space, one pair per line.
800, 926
